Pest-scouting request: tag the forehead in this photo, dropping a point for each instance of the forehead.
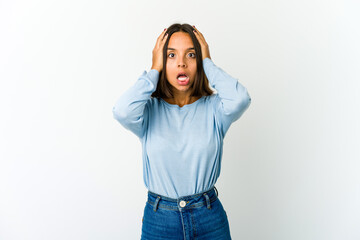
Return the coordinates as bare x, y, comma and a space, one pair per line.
180, 41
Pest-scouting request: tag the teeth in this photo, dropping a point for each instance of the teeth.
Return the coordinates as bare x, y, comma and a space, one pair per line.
182, 78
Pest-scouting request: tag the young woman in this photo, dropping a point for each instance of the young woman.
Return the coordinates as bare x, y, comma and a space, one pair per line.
181, 124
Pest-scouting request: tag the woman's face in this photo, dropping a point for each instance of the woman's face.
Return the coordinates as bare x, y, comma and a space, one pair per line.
180, 59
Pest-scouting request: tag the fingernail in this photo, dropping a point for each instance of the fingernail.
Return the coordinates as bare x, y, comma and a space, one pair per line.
164, 29
193, 25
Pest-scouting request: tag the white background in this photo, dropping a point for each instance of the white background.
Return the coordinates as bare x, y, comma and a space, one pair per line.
290, 167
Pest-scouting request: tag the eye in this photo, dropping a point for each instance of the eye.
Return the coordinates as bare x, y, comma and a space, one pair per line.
193, 54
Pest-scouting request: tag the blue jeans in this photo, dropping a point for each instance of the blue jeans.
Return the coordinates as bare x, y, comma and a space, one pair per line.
199, 216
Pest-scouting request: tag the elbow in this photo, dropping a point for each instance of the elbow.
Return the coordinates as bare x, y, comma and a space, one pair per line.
243, 105
119, 114
247, 100
121, 109
244, 100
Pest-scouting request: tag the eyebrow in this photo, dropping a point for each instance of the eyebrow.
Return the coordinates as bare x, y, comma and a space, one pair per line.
186, 49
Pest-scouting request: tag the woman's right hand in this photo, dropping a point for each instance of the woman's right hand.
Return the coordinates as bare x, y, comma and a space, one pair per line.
157, 61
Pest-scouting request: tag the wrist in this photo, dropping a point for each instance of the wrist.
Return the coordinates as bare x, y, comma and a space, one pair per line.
156, 68
206, 56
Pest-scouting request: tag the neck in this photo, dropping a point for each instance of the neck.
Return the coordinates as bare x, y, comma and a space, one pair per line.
182, 100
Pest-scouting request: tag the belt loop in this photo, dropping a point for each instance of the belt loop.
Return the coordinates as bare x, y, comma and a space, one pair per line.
207, 201
156, 203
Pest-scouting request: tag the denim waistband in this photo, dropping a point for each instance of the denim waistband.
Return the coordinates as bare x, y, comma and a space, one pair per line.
184, 202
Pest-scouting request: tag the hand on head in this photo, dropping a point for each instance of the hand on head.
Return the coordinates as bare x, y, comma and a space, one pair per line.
157, 61
204, 46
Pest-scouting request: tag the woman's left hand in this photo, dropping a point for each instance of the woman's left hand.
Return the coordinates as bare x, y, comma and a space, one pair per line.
204, 46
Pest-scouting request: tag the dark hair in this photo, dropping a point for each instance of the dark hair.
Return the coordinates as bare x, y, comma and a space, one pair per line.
200, 86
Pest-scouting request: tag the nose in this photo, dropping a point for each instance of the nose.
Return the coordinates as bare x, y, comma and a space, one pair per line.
181, 62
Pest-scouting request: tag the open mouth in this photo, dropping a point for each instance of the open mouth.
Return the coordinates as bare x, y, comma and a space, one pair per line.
182, 77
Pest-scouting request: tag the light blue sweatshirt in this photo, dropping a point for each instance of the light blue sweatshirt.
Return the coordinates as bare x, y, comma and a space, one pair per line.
181, 146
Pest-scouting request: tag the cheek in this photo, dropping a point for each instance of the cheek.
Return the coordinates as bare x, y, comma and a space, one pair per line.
170, 75
170, 71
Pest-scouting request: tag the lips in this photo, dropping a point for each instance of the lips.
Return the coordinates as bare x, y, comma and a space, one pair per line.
182, 75
183, 78
184, 82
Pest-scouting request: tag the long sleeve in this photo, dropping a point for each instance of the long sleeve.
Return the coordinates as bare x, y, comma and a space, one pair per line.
130, 110
232, 98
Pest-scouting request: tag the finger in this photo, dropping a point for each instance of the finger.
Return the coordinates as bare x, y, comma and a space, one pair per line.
196, 30
161, 37
199, 34
199, 37
162, 34
165, 36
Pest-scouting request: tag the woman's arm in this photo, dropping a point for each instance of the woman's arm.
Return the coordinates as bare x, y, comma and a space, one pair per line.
232, 98
130, 109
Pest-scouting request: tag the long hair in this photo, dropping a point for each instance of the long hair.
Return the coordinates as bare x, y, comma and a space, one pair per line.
200, 86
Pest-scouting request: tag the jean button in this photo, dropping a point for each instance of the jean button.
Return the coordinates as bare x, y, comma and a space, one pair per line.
182, 203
